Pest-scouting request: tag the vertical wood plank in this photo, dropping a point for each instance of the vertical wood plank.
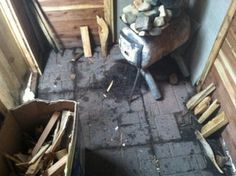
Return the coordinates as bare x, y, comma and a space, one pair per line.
86, 41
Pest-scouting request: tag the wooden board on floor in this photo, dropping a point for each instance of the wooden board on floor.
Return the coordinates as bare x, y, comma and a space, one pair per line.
86, 41
214, 125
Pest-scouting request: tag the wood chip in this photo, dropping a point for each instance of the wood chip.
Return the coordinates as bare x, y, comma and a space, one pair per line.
110, 86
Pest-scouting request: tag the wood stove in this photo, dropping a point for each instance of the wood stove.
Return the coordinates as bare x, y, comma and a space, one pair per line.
142, 52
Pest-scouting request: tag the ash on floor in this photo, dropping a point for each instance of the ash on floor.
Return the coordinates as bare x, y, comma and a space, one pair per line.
145, 139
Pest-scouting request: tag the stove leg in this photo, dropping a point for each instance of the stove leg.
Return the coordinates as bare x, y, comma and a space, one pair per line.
183, 68
151, 84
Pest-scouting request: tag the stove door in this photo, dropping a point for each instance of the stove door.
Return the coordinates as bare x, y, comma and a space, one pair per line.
131, 50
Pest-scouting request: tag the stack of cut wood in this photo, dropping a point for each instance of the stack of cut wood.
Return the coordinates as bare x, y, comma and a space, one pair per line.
149, 17
203, 108
47, 154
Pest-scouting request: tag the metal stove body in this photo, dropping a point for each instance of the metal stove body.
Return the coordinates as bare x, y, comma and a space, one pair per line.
142, 52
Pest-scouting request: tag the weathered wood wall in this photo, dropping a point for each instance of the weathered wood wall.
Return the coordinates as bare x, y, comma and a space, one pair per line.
22, 50
223, 74
13, 68
67, 16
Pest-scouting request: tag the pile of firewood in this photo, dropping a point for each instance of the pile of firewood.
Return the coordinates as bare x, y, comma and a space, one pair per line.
48, 153
203, 107
149, 17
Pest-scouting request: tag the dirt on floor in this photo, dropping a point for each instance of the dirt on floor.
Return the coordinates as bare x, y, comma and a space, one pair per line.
145, 138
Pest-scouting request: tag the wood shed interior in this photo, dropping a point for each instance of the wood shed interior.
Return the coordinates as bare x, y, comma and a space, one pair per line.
154, 82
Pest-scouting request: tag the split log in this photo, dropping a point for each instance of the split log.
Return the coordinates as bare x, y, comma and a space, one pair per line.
23, 158
56, 131
35, 167
209, 111
208, 150
86, 41
39, 154
193, 102
57, 168
64, 120
103, 32
61, 153
202, 106
46, 132
214, 125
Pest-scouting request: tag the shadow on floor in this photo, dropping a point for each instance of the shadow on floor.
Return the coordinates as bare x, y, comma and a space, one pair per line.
99, 165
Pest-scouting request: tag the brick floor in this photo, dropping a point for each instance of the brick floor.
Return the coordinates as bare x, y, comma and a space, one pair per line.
143, 139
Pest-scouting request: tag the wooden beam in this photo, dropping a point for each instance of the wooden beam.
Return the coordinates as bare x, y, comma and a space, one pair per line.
86, 41
218, 42
103, 32
58, 167
46, 132
71, 7
214, 125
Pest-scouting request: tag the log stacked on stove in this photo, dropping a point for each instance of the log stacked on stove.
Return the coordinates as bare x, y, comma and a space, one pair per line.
149, 17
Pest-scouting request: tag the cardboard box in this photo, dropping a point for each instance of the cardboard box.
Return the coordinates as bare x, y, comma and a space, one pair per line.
26, 117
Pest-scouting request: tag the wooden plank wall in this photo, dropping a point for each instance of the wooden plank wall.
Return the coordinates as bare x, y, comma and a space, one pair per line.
36, 40
67, 16
223, 74
23, 49
13, 68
